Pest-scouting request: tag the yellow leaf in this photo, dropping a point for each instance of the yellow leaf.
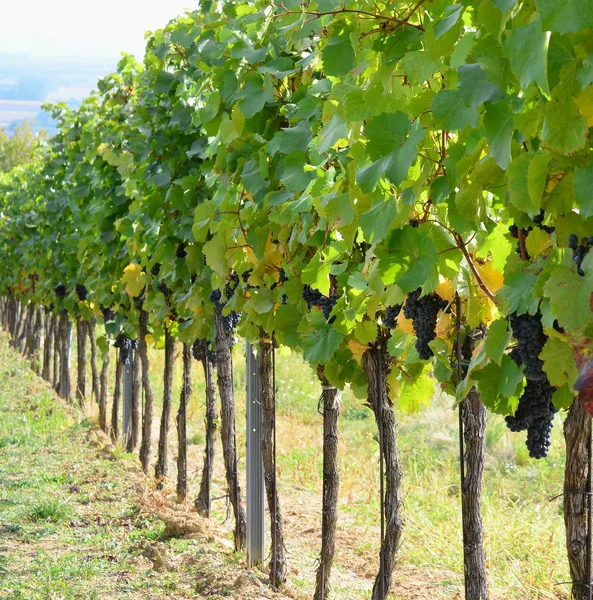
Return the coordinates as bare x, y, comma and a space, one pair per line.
393, 384
134, 279
445, 289
584, 102
493, 279
405, 324
357, 350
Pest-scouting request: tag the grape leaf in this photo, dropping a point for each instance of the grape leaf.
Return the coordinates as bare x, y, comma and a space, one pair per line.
450, 111
498, 127
497, 339
338, 55
415, 393
527, 49
322, 344
583, 190
474, 86
566, 16
559, 362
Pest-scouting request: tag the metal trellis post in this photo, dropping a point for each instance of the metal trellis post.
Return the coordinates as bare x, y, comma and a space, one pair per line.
255, 465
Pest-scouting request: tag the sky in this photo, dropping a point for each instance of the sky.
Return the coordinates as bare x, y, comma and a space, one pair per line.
97, 28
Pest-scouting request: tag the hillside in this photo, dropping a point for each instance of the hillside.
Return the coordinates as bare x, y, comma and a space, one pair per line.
26, 82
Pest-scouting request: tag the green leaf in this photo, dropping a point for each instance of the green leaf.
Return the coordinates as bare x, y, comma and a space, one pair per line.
291, 172
583, 190
566, 16
338, 56
517, 173
527, 49
316, 274
500, 386
559, 362
385, 133
416, 393
450, 111
290, 139
452, 14
537, 174
376, 223
409, 258
419, 66
474, 86
322, 344
564, 129
497, 340
498, 127
365, 332
563, 397
255, 95
215, 253
335, 129
563, 284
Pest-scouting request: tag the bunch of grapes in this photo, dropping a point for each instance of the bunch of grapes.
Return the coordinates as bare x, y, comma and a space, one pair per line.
108, 314
579, 249
230, 321
163, 288
424, 312
60, 290
155, 269
535, 414
181, 252
391, 314
231, 286
539, 220
281, 280
81, 291
125, 345
325, 303
530, 336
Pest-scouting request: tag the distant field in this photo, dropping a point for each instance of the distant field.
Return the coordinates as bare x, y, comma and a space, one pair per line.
15, 110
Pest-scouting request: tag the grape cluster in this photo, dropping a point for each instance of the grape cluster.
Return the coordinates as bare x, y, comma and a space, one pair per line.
579, 249
163, 288
181, 252
155, 269
281, 280
539, 222
530, 336
81, 291
60, 290
125, 345
391, 314
423, 312
535, 414
108, 314
201, 348
325, 303
230, 321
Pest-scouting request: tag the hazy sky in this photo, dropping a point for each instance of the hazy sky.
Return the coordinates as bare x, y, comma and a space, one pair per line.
101, 28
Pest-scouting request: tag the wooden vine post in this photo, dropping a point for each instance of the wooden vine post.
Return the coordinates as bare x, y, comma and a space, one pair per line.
161, 468
186, 390
377, 365
147, 388
224, 362
278, 565
577, 499
201, 353
472, 446
330, 402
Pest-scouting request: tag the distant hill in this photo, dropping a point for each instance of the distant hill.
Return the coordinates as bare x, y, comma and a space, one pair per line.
26, 82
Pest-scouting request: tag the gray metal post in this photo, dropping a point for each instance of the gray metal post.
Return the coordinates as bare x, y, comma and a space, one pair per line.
127, 398
255, 465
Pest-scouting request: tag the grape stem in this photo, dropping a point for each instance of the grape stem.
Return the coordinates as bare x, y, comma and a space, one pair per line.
472, 266
522, 244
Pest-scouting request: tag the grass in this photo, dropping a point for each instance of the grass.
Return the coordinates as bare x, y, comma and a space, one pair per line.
43, 453
50, 510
